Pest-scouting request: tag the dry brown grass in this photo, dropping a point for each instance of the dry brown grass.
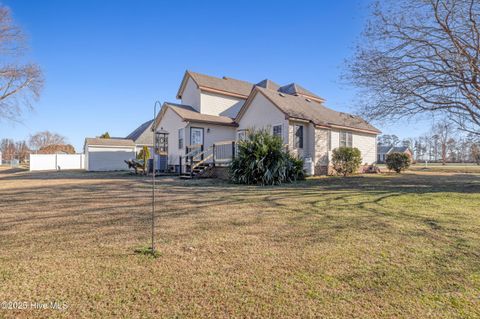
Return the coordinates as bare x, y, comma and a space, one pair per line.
363, 247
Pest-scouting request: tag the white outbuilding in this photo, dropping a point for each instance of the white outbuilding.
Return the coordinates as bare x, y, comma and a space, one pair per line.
108, 154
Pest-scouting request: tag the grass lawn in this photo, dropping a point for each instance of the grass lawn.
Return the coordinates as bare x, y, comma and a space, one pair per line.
363, 247
438, 167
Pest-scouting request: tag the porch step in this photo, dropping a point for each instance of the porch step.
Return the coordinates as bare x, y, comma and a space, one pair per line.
197, 172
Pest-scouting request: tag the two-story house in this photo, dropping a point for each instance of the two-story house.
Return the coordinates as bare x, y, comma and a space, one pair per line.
217, 111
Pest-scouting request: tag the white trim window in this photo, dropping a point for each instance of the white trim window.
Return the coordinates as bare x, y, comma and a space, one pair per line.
346, 139
181, 138
298, 136
277, 130
241, 135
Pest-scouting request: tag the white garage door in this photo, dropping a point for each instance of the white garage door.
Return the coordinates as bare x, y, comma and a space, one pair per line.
109, 159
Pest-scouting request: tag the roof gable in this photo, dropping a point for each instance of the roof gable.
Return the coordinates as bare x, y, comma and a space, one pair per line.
136, 134
295, 89
268, 84
382, 149
189, 114
387, 149
225, 85
299, 107
399, 149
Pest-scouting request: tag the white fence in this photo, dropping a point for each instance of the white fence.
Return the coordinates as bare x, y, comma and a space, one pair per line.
48, 162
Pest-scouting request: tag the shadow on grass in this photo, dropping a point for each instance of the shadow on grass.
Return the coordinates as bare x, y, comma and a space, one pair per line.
13, 170
311, 211
22, 174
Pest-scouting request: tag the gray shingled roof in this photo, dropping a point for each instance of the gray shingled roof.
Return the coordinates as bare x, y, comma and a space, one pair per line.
244, 88
109, 141
381, 149
299, 107
187, 113
399, 149
139, 130
268, 84
294, 88
223, 84
391, 149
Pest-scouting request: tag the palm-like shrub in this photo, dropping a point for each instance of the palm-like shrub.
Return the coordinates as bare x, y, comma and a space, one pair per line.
261, 159
397, 162
346, 160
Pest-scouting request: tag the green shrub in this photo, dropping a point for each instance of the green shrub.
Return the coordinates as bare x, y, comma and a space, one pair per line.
105, 135
144, 154
143, 157
397, 162
346, 160
261, 159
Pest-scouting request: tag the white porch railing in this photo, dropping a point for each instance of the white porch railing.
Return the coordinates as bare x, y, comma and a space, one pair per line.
220, 153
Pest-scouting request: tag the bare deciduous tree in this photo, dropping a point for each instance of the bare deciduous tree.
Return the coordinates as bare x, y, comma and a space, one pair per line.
421, 57
443, 131
22, 151
19, 83
475, 151
7, 147
45, 138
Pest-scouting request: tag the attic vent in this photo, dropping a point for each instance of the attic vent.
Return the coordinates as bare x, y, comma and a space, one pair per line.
225, 78
308, 100
281, 94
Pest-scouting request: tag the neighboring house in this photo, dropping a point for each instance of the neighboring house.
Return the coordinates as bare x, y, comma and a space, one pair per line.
383, 151
219, 111
108, 154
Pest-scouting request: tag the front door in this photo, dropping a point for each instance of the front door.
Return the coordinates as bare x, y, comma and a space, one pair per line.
196, 135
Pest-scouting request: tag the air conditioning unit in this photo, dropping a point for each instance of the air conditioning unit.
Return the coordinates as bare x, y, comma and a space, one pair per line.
308, 166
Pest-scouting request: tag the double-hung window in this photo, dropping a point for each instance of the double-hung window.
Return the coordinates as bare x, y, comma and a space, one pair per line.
298, 131
346, 139
181, 134
277, 130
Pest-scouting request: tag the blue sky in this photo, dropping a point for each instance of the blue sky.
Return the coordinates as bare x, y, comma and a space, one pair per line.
107, 62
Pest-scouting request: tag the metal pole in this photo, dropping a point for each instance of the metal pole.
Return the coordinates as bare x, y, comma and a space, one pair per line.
213, 154
154, 128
